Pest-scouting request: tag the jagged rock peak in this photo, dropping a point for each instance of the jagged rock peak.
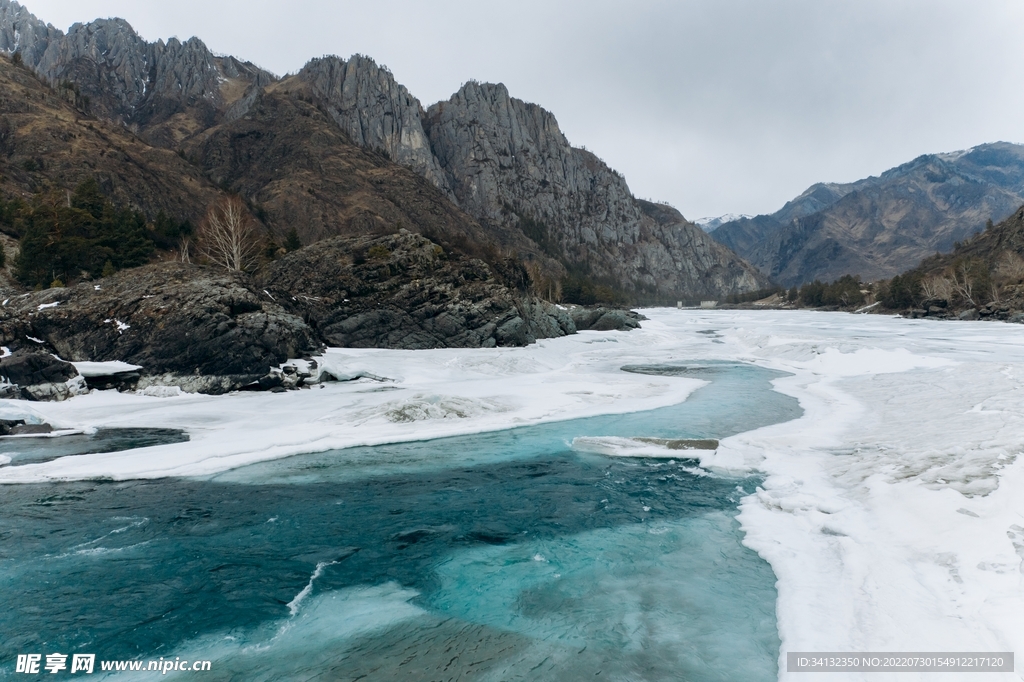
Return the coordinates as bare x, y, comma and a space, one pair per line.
509, 163
22, 32
126, 78
108, 58
500, 151
374, 110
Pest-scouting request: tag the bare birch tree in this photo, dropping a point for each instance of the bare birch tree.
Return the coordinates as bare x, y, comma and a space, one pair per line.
963, 282
228, 236
937, 287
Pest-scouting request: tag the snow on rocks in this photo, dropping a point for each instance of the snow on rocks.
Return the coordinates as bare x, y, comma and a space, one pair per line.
102, 369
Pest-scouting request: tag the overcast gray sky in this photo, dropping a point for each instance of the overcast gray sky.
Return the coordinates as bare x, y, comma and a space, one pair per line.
715, 106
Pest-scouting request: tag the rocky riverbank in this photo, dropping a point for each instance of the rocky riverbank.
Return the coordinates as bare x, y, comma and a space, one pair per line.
209, 330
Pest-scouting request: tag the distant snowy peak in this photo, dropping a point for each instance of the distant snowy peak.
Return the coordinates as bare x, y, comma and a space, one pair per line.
712, 224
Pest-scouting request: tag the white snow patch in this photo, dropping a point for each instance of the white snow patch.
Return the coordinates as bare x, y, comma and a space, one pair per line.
44, 306
32, 338
711, 224
162, 391
5, 352
102, 369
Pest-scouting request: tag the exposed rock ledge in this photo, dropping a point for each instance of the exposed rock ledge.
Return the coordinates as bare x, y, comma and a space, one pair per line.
202, 327
404, 291
212, 331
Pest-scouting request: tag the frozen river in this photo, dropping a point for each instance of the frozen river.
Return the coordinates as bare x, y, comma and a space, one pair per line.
866, 496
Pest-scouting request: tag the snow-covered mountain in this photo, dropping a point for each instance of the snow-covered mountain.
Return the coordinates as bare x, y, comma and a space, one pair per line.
712, 224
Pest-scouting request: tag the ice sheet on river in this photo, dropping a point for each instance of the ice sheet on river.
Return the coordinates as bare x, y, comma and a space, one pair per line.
892, 511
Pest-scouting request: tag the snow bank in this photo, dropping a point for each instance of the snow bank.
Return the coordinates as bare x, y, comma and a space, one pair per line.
414, 395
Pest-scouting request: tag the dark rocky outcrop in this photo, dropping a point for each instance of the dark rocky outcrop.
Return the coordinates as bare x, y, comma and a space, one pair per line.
404, 291
602, 319
18, 427
39, 376
26, 368
213, 331
205, 329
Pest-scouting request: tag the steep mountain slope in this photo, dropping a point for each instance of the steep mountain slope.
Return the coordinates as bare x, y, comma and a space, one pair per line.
291, 160
508, 162
883, 225
168, 90
48, 144
981, 278
521, 187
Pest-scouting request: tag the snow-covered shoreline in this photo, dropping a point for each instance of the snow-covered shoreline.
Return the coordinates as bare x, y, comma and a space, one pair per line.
891, 511
430, 394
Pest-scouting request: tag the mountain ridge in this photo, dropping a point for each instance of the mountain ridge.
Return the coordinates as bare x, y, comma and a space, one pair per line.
507, 166
885, 224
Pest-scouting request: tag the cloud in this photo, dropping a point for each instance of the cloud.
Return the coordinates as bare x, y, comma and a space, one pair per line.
723, 106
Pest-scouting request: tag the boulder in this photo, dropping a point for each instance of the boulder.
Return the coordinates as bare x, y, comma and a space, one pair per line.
7, 425
33, 429
603, 319
36, 375
971, 314
28, 368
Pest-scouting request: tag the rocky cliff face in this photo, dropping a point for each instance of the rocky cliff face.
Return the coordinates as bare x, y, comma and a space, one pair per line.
204, 328
125, 78
880, 226
22, 32
374, 111
509, 163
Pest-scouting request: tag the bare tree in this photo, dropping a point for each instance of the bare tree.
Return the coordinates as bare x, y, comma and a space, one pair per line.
963, 282
185, 249
1011, 267
937, 287
228, 235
